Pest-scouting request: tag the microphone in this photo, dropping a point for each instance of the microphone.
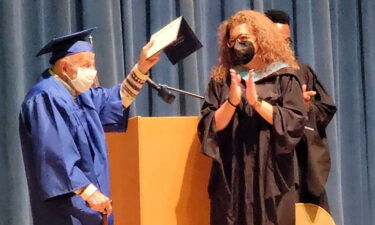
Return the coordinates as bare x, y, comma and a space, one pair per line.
153, 84
163, 93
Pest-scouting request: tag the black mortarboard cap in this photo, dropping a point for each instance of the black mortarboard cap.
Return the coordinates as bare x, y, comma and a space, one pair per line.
185, 44
68, 45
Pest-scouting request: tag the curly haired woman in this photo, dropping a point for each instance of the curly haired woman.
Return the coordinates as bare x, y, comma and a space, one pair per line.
252, 118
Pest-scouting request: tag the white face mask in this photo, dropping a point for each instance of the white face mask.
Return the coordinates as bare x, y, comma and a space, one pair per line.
85, 78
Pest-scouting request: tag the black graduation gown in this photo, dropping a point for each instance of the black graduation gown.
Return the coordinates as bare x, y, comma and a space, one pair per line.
312, 151
252, 176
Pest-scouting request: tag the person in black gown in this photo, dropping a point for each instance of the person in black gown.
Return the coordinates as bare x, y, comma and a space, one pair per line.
313, 156
252, 118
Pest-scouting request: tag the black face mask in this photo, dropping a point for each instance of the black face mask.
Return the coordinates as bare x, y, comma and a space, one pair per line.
244, 51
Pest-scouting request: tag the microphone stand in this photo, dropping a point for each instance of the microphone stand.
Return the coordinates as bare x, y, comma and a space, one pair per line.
164, 91
181, 91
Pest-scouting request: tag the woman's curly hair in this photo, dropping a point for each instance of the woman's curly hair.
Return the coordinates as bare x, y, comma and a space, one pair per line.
272, 47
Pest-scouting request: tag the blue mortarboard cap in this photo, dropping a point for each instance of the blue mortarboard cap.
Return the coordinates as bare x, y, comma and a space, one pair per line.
68, 45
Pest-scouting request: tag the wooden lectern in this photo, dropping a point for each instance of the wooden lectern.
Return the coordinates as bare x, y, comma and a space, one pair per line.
158, 175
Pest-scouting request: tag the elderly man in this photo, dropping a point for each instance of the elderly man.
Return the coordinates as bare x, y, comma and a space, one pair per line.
312, 151
62, 124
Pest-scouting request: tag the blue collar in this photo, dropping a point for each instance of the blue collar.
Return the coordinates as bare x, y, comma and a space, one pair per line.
260, 74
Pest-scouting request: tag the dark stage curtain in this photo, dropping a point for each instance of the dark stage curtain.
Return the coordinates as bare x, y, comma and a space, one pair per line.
336, 37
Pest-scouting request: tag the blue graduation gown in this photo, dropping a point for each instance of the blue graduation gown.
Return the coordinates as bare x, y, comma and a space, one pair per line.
64, 148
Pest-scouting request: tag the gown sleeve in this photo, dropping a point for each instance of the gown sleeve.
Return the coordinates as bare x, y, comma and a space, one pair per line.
206, 127
214, 143
289, 116
113, 115
322, 106
315, 143
49, 143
